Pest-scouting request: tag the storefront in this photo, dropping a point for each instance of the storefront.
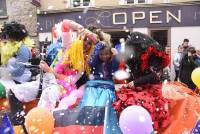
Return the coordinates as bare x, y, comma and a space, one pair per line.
169, 25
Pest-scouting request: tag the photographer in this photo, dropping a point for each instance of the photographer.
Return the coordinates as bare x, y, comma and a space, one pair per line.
187, 65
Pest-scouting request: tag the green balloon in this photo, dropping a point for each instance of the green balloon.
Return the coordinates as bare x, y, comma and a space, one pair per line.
2, 91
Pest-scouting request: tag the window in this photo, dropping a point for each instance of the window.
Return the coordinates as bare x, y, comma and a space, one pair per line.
166, 1
135, 1
3, 10
81, 3
37, 3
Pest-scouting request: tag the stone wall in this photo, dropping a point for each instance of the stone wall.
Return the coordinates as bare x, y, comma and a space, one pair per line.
23, 12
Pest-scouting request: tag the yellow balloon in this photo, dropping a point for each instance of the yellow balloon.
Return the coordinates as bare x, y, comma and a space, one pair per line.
196, 77
39, 121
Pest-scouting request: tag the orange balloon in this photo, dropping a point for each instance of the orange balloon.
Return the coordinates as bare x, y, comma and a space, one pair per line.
39, 121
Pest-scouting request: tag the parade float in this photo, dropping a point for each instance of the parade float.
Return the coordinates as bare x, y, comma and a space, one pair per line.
180, 105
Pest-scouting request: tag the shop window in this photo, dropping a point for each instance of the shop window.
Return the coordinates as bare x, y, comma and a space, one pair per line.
81, 3
3, 10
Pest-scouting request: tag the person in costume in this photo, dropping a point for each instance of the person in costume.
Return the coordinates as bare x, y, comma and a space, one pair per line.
100, 90
53, 90
27, 92
71, 71
14, 53
62, 39
146, 60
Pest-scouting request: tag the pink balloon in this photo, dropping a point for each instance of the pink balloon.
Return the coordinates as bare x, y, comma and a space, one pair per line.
135, 120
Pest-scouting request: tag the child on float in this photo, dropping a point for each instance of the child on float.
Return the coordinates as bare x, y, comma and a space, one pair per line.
100, 90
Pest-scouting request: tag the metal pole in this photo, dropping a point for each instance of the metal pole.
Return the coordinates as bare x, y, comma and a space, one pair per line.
105, 117
42, 56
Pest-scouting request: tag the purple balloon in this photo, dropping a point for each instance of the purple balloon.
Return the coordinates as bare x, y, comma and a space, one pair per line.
135, 120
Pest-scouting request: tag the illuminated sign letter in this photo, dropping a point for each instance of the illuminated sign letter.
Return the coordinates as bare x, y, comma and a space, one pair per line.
138, 16
169, 15
153, 16
121, 15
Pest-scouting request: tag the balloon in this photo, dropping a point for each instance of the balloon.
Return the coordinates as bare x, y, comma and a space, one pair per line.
196, 77
39, 121
2, 91
135, 120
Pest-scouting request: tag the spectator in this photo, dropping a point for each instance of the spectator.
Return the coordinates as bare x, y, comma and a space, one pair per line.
185, 46
198, 57
187, 66
177, 61
166, 70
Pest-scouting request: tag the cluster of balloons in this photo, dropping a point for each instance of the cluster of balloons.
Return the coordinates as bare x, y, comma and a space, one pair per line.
135, 120
196, 77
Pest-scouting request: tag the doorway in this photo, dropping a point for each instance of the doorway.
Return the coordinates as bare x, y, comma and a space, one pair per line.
161, 36
117, 35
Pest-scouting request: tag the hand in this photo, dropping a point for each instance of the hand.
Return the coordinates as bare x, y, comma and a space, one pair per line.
44, 66
91, 77
131, 84
189, 54
114, 51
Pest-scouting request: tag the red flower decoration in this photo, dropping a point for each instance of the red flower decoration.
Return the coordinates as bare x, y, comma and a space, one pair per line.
123, 97
151, 50
150, 98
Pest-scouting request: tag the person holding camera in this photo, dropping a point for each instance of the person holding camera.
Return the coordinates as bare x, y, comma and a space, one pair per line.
187, 65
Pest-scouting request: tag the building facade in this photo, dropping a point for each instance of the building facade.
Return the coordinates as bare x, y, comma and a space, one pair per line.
164, 20
167, 21
64, 4
21, 11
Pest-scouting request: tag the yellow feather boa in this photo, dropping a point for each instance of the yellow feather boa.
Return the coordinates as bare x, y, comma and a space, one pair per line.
11, 48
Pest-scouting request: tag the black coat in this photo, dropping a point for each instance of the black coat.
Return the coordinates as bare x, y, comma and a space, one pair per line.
148, 76
187, 65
